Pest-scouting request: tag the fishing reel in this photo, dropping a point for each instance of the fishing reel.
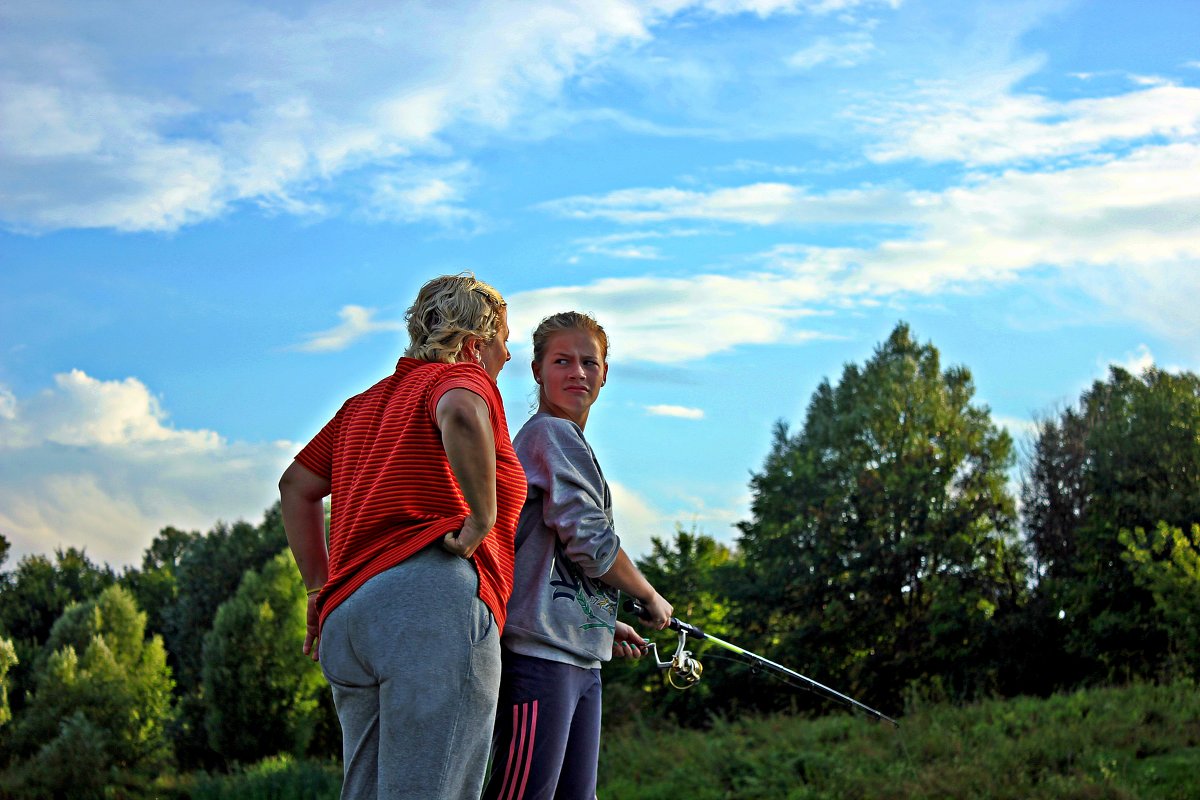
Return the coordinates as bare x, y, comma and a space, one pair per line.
682, 666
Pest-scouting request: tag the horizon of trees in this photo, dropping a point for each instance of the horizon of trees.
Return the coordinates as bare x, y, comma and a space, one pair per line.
886, 555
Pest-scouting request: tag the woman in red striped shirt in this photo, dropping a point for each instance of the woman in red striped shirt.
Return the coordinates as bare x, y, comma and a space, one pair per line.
408, 599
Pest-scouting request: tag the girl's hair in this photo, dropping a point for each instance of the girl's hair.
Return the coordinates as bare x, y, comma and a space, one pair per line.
448, 310
567, 321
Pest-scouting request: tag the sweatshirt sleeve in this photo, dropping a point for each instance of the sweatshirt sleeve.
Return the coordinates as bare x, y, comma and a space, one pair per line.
560, 464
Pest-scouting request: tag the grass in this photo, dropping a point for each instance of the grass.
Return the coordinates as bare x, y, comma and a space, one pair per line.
1138, 742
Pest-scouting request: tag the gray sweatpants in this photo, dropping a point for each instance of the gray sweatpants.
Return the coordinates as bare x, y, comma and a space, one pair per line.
413, 657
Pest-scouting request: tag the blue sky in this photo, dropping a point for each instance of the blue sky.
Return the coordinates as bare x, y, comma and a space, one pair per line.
212, 217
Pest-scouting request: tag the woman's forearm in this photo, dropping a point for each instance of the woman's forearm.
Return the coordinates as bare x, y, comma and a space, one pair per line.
301, 495
470, 448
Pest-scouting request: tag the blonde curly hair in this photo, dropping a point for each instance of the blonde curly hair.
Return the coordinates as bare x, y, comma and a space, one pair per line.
447, 310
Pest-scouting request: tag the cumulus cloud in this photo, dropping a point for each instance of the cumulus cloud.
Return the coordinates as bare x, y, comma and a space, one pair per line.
95, 464
680, 412
638, 521
357, 322
1138, 361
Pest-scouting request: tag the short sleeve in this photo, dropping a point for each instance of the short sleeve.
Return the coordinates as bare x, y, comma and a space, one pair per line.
317, 455
471, 377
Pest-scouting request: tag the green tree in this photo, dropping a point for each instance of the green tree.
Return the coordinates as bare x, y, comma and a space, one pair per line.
154, 586
1166, 562
263, 696
687, 571
8, 657
207, 572
34, 595
99, 682
1126, 457
882, 542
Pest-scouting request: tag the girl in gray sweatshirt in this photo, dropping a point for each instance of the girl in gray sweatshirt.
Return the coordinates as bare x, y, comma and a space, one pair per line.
570, 569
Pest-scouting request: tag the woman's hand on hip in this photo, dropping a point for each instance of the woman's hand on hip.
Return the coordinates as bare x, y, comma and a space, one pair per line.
465, 541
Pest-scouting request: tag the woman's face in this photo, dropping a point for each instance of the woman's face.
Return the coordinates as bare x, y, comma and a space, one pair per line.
571, 372
494, 355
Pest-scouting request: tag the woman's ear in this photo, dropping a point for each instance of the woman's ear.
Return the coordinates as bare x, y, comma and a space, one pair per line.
537, 372
469, 351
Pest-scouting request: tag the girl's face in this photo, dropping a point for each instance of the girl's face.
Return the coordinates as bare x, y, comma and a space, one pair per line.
571, 372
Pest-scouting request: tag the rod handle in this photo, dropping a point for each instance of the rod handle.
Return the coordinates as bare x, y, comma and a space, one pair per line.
636, 608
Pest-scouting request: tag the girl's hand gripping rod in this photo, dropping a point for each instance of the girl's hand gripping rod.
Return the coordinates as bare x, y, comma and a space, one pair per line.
684, 665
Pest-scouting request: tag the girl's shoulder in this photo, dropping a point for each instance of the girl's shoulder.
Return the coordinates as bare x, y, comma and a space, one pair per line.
543, 428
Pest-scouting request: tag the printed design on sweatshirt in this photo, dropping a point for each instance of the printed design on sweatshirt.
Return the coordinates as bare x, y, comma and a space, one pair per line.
573, 585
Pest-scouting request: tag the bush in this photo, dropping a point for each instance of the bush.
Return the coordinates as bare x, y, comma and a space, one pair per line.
278, 778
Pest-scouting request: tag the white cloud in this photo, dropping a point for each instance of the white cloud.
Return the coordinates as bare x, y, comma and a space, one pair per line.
629, 245
424, 193
1021, 430
93, 464
678, 319
85, 412
987, 125
151, 117
357, 322
766, 7
680, 412
1123, 228
847, 50
638, 521
1136, 362
752, 204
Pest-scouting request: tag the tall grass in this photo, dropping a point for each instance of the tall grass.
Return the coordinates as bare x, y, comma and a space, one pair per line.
279, 778
1138, 742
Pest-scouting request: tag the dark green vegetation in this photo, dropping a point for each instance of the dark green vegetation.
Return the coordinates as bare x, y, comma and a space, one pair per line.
884, 556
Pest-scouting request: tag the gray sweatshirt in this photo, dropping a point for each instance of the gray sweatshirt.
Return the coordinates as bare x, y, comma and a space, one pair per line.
560, 610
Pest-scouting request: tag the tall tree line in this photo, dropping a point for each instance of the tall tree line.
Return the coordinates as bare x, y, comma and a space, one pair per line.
189, 662
892, 553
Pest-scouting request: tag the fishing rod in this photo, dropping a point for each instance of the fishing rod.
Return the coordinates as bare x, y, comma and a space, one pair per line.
684, 666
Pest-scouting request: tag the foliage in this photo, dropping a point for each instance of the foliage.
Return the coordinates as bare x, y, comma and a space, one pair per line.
154, 586
688, 572
39, 589
1127, 456
207, 571
262, 695
33, 596
1141, 741
101, 704
1166, 562
882, 544
276, 778
8, 657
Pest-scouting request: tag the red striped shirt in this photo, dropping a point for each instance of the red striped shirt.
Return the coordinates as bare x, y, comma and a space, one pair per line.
393, 491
